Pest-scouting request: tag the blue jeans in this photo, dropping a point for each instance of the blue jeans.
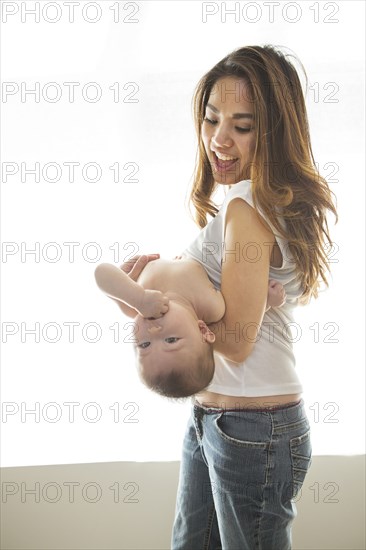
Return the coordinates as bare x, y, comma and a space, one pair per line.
240, 472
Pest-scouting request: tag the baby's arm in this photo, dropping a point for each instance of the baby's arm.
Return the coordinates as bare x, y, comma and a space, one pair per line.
118, 285
276, 295
133, 268
126, 310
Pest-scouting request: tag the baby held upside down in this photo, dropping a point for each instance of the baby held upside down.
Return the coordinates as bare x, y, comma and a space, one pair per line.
173, 303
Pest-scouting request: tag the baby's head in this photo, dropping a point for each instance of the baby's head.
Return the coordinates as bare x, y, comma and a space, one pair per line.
174, 353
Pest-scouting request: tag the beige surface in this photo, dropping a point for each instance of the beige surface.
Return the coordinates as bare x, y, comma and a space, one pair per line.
330, 509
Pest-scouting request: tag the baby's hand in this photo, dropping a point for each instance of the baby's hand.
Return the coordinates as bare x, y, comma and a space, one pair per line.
276, 294
154, 304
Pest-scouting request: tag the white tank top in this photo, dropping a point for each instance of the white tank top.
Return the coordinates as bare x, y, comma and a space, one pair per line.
270, 368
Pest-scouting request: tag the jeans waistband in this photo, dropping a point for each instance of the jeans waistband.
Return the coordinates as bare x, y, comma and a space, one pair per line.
279, 416
214, 410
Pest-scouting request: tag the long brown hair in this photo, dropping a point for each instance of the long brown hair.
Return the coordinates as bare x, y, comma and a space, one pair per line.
283, 172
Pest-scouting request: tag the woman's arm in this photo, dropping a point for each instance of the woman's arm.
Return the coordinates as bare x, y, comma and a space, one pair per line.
244, 284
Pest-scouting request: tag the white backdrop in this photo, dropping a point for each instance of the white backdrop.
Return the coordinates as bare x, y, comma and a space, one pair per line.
132, 68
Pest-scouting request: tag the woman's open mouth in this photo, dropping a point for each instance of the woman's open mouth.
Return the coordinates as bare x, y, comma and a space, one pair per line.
224, 163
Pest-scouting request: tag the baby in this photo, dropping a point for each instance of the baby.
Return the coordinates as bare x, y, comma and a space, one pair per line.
172, 302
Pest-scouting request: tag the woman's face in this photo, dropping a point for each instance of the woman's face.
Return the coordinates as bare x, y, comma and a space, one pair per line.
228, 130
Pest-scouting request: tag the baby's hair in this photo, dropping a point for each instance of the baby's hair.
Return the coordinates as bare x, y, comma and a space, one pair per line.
181, 382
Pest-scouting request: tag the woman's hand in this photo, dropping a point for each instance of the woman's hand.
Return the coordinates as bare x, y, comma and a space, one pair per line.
134, 267
276, 294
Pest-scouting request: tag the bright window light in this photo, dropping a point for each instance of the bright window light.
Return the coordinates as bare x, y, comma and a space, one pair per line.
103, 177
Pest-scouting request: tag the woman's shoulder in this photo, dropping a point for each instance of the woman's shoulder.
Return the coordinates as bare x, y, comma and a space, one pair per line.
242, 189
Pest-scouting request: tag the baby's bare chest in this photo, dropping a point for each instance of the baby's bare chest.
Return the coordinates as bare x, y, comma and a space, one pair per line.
160, 274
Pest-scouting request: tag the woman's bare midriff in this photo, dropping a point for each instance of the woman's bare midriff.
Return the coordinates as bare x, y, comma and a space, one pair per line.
217, 400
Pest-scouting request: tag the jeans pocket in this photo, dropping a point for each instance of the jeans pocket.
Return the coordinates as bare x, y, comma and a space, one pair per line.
239, 432
300, 450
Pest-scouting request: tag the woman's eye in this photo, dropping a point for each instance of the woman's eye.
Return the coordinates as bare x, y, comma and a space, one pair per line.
172, 339
143, 345
241, 130
210, 121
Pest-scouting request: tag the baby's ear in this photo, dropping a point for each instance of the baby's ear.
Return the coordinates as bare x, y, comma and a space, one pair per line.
207, 334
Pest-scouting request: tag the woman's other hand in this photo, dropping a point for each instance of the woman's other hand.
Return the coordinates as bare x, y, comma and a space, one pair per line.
134, 267
276, 294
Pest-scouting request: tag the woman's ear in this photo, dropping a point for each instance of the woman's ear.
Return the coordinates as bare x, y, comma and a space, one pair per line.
207, 334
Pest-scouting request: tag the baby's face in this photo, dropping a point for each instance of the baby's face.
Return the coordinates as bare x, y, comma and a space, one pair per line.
170, 340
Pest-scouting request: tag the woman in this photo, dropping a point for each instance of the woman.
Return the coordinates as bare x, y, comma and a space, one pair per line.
247, 446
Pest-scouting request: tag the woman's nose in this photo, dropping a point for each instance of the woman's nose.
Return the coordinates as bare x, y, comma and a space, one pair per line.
221, 138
